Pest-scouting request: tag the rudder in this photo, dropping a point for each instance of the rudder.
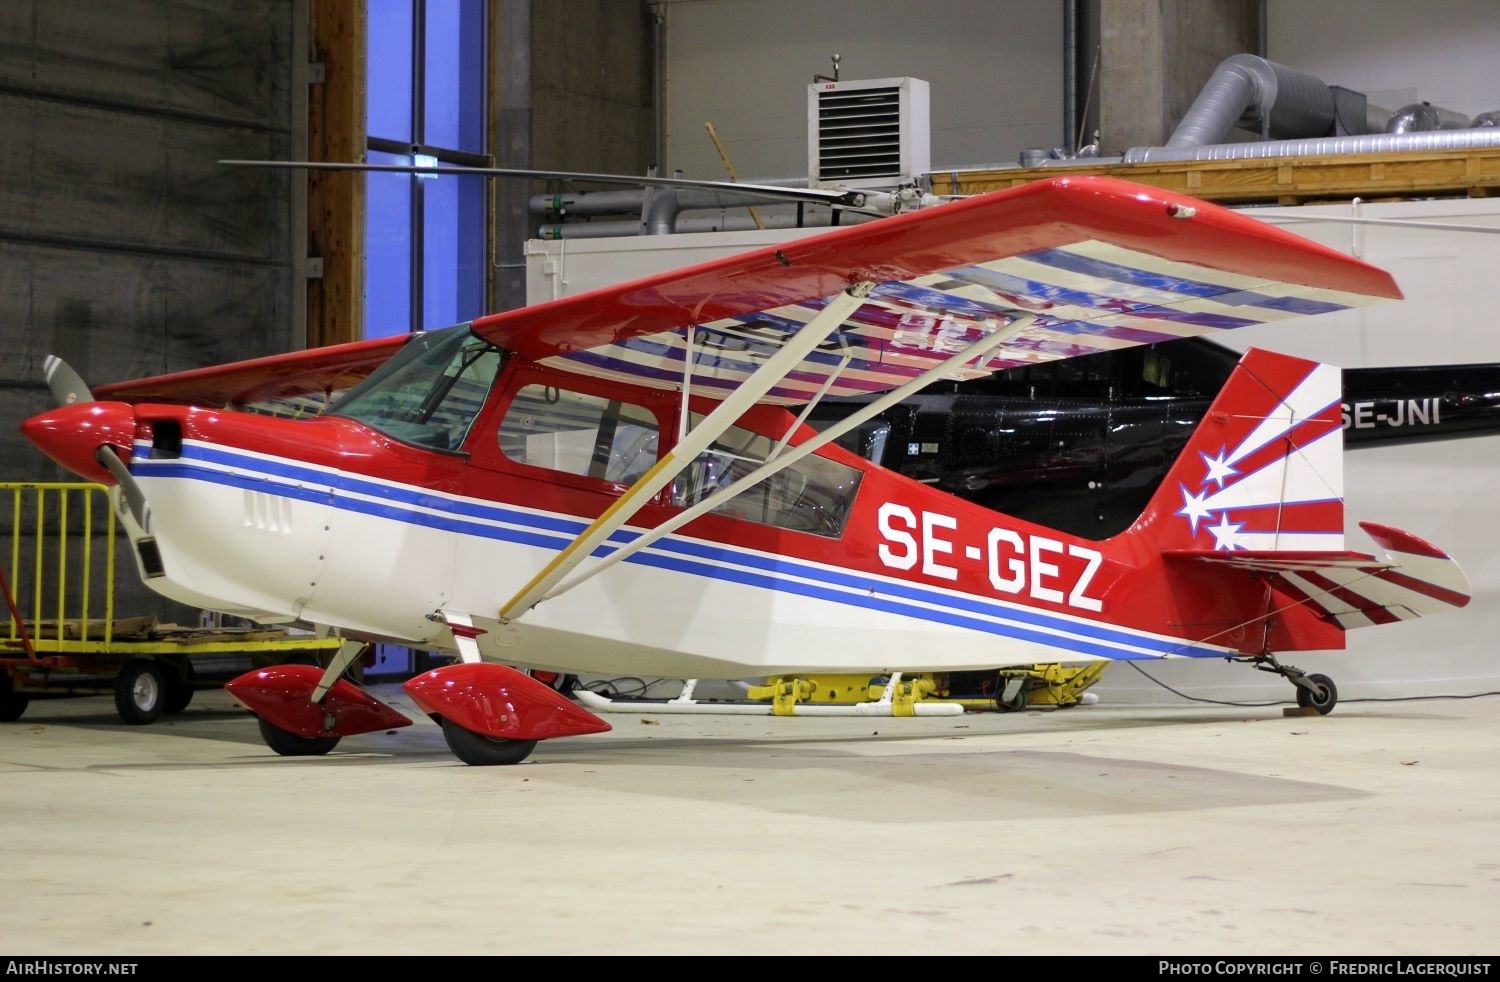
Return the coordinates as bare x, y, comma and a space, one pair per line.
1263, 471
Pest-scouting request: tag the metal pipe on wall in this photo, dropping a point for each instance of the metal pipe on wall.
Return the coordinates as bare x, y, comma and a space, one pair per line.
1470, 139
717, 223
1070, 72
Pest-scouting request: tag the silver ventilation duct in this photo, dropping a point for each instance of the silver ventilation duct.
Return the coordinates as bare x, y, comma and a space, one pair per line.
1470, 139
1424, 117
1247, 89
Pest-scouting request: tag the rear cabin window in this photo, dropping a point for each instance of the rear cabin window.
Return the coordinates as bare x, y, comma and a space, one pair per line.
812, 495
578, 433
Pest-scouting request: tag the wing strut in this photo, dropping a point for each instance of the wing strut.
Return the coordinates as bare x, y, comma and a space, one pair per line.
973, 352
814, 333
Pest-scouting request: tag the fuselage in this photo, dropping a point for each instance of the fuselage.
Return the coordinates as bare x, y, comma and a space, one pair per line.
833, 565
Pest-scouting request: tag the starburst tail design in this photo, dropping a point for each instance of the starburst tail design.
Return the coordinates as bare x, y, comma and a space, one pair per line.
1264, 469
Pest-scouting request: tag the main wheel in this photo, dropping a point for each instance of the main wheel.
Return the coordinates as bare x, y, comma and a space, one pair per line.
12, 703
1330, 697
483, 751
140, 691
179, 690
291, 744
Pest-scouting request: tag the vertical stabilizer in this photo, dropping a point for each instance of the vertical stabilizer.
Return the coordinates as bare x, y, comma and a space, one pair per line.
1264, 470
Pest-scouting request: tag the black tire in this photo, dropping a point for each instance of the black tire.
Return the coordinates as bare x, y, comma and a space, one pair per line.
140, 691
179, 690
484, 751
12, 703
1330, 698
1013, 702
292, 745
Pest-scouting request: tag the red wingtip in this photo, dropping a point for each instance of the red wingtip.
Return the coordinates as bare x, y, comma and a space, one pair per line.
1395, 540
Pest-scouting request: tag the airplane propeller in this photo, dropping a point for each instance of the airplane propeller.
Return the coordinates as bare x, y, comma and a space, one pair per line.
69, 389
66, 385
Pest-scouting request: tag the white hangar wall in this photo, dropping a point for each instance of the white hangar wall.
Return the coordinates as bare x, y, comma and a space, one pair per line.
1395, 52
995, 76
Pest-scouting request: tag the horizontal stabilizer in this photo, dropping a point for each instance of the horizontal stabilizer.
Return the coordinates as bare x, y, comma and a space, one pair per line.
1350, 588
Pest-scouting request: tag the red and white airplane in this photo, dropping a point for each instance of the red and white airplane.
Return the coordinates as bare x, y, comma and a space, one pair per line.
620, 482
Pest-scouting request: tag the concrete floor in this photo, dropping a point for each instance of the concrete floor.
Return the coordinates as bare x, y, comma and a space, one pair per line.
1095, 830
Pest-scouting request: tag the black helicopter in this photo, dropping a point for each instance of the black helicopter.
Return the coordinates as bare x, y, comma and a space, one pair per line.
1079, 445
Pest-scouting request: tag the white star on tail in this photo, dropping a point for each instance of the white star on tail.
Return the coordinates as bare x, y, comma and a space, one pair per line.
1193, 507
1218, 468
1226, 533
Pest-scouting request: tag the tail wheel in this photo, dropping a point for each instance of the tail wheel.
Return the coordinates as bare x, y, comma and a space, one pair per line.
484, 751
1323, 704
140, 691
291, 744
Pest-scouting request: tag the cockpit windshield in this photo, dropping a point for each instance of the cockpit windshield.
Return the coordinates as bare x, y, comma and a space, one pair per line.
430, 391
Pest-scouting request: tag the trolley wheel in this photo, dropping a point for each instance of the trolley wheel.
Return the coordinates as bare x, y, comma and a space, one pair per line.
290, 744
12, 703
179, 689
483, 751
1330, 698
140, 691
1013, 695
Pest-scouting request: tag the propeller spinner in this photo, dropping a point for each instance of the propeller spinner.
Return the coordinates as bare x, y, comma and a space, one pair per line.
82, 431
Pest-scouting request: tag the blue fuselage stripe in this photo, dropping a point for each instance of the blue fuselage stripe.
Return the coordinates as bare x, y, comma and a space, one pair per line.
399, 503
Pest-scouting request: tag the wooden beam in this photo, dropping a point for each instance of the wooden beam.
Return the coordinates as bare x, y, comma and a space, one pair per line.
336, 199
1284, 180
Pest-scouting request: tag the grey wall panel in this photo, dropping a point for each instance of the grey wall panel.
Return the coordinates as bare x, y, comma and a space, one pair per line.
124, 246
120, 315
90, 174
226, 61
590, 86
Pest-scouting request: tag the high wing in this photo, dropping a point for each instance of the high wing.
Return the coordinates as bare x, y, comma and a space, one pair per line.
1097, 263
1102, 263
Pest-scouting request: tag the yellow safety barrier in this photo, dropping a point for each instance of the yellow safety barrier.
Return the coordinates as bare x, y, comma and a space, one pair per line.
65, 631
28, 508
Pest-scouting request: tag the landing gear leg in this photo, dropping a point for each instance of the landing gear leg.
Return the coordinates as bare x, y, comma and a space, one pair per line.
1313, 691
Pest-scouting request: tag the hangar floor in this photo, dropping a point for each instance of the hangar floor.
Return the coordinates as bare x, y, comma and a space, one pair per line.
1093, 830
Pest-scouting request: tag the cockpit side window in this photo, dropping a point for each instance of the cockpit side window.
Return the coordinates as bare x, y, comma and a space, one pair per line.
813, 494
428, 393
579, 433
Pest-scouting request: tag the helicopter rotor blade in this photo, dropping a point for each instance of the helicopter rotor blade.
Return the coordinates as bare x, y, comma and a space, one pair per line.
848, 198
